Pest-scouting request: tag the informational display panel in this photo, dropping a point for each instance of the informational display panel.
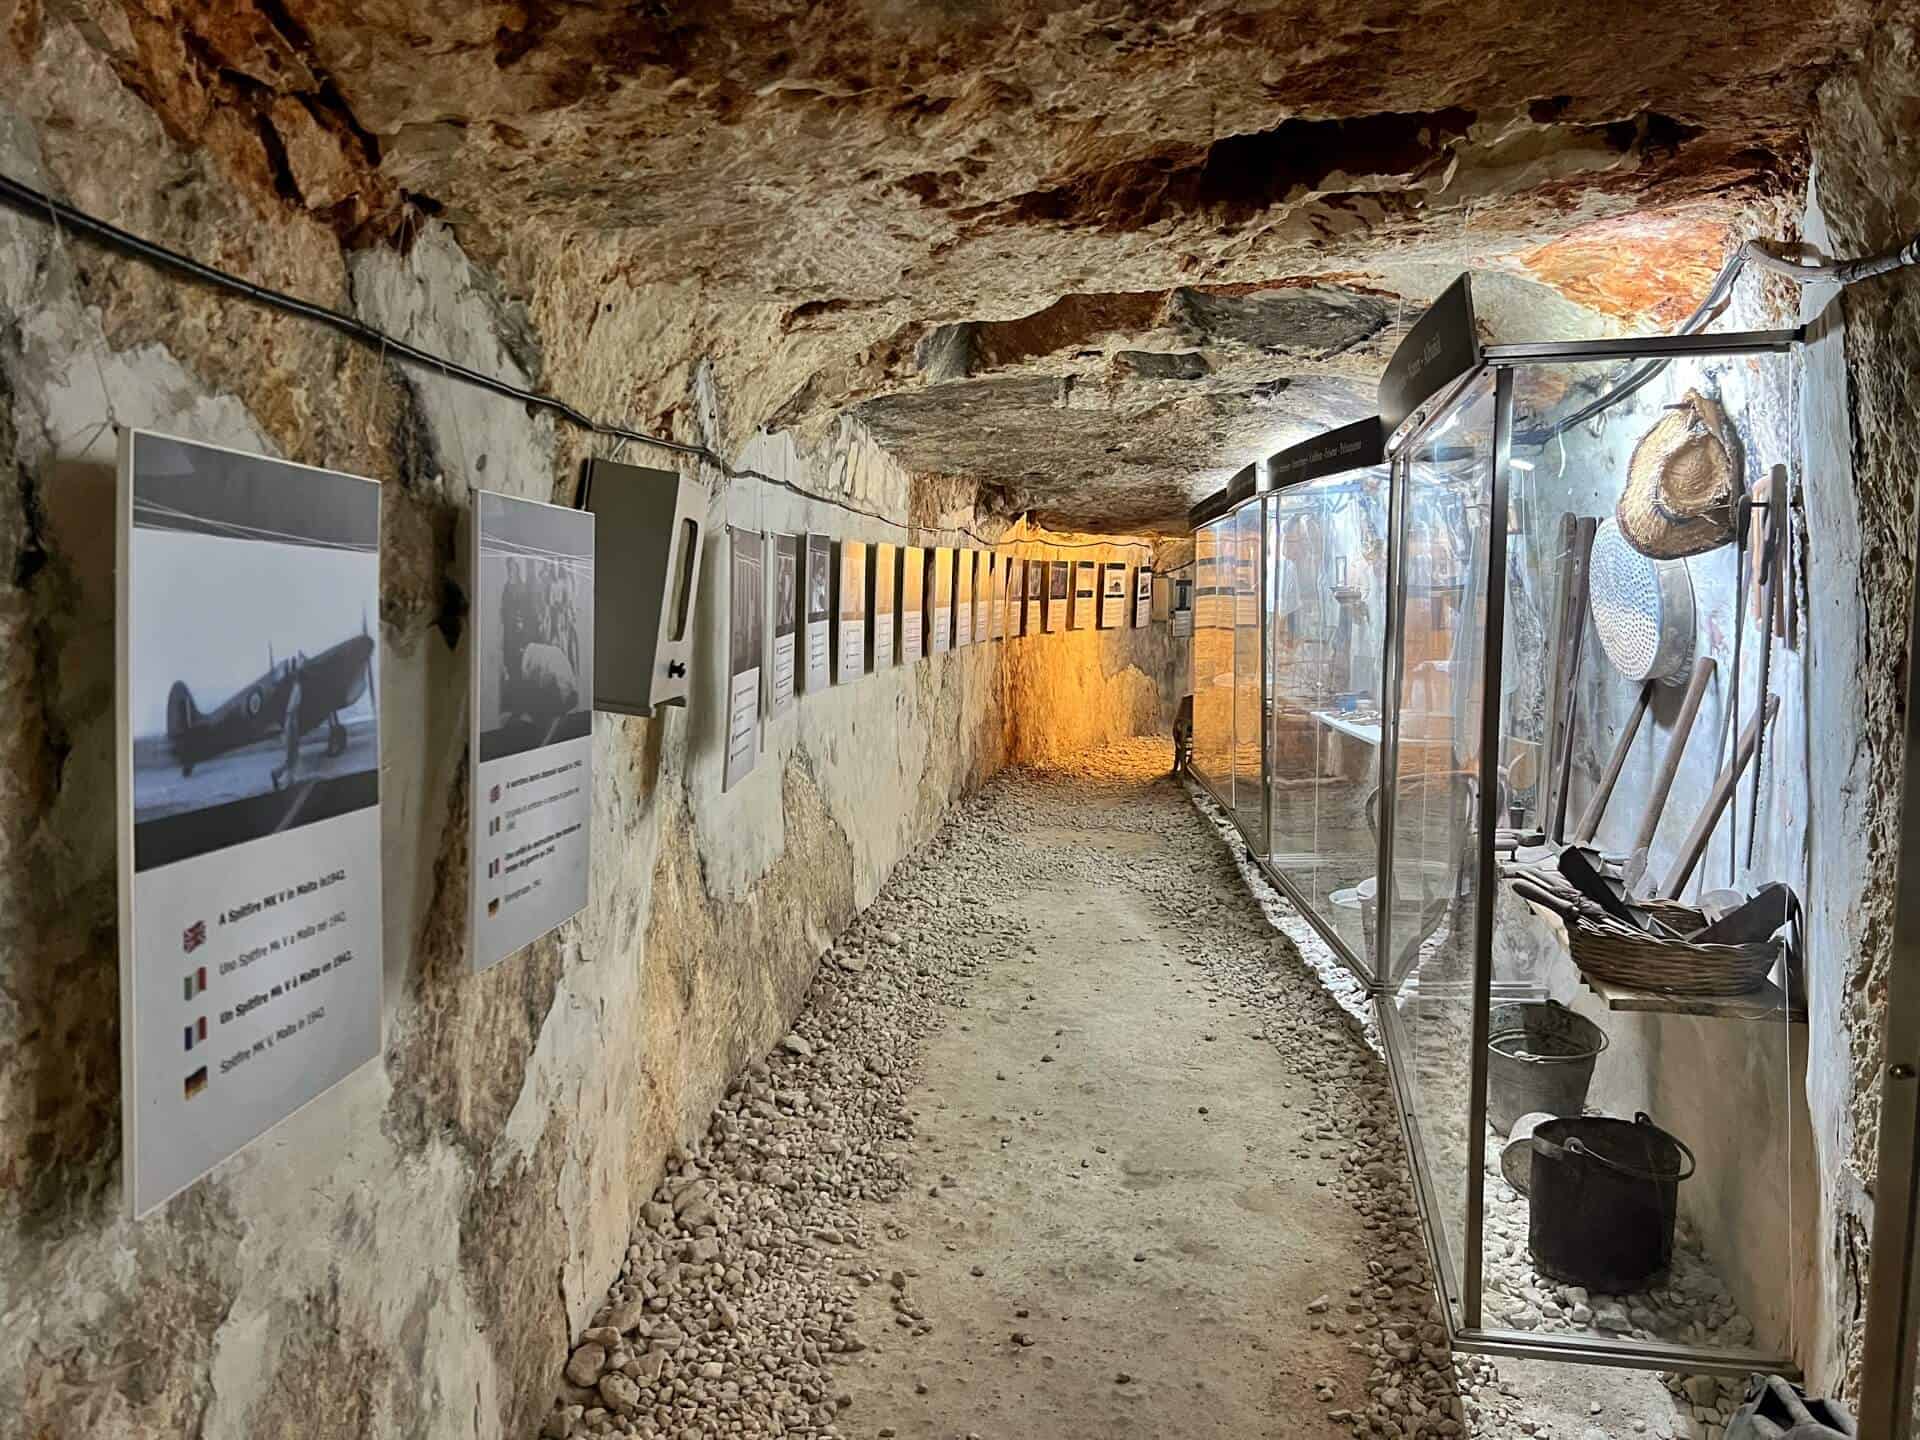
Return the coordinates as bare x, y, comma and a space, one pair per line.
940, 600
1142, 596
851, 613
1059, 583
532, 731
882, 572
1016, 572
962, 598
746, 648
786, 620
1085, 582
1036, 599
816, 581
913, 605
248, 727
1113, 597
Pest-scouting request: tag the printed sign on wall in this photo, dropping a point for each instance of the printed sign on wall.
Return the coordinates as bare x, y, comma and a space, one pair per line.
746, 644
786, 618
852, 612
249, 798
1016, 569
913, 608
816, 582
940, 600
531, 741
1035, 619
881, 572
1002, 586
1113, 596
1142, 597
1084, 585
1059, 584
962, 598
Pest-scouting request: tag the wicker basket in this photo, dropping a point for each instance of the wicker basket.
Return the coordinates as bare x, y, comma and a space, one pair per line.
1610, 950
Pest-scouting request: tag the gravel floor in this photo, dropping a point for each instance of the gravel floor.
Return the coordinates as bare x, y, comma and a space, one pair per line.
747, 1306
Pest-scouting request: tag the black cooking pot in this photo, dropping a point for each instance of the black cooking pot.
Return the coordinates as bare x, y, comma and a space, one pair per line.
1603, 1200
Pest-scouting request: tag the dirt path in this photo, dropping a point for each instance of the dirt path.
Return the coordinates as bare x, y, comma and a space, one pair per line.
1122, 1239
1132, 1225
1068, 1141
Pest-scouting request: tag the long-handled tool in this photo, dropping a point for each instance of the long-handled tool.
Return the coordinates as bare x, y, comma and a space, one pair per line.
1696, 842
1597, 806
1584, 530
1703, 672
1769, 579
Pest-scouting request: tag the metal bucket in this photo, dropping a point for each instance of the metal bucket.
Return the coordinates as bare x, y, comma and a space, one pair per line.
1603, 1200
1540, 1057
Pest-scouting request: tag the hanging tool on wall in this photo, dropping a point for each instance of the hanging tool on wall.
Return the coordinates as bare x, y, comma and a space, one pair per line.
1597, 806
1703, 672
1575, 637
1717, 800
1767, 537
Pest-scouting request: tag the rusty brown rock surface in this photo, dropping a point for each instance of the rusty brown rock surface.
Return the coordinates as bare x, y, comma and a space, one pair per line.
847, 192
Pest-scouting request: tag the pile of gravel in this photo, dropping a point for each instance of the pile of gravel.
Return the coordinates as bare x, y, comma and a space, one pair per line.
737, 1296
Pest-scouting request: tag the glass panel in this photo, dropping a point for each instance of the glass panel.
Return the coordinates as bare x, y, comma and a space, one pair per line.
1326, 601
1213, 659
1248, 777
1444, 503
1628, 574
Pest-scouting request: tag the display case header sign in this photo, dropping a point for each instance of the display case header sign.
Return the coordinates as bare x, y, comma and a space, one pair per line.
1333, 452
1441, 347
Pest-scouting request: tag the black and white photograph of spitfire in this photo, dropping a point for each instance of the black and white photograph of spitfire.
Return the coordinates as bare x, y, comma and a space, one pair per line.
253, 646
535, 630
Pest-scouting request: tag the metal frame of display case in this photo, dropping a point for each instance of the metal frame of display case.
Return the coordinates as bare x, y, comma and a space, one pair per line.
1465, 1328
1893, 1281
1459, 1290
1269, 488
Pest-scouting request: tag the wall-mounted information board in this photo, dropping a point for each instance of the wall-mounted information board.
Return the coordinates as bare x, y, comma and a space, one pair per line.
746, 648
913, 605
1059, 586
962, 598
1142, 597
1085, 582
1035, 621
882, 575
939, 597
248, 726
816, 584
531, 740
851, 613
786, 619
1113, 596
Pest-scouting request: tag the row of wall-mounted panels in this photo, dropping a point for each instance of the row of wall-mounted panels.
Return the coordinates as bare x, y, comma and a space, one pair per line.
249, 746
806, 612
249, 740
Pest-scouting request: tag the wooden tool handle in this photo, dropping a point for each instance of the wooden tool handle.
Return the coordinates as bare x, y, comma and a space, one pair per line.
1722, 792
1597, 806
1703, 671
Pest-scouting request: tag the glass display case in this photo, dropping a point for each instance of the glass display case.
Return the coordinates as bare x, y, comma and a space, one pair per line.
1325, 601
1589, 980
1212, 652
1249, 686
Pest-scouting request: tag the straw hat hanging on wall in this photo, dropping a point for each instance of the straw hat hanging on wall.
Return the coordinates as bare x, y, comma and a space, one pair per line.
1682, 483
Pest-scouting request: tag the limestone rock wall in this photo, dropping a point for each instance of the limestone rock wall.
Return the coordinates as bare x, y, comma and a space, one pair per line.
411, 1255
1865, 200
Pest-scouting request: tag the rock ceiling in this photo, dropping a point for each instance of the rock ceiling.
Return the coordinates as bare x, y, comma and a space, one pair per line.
1093, 256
